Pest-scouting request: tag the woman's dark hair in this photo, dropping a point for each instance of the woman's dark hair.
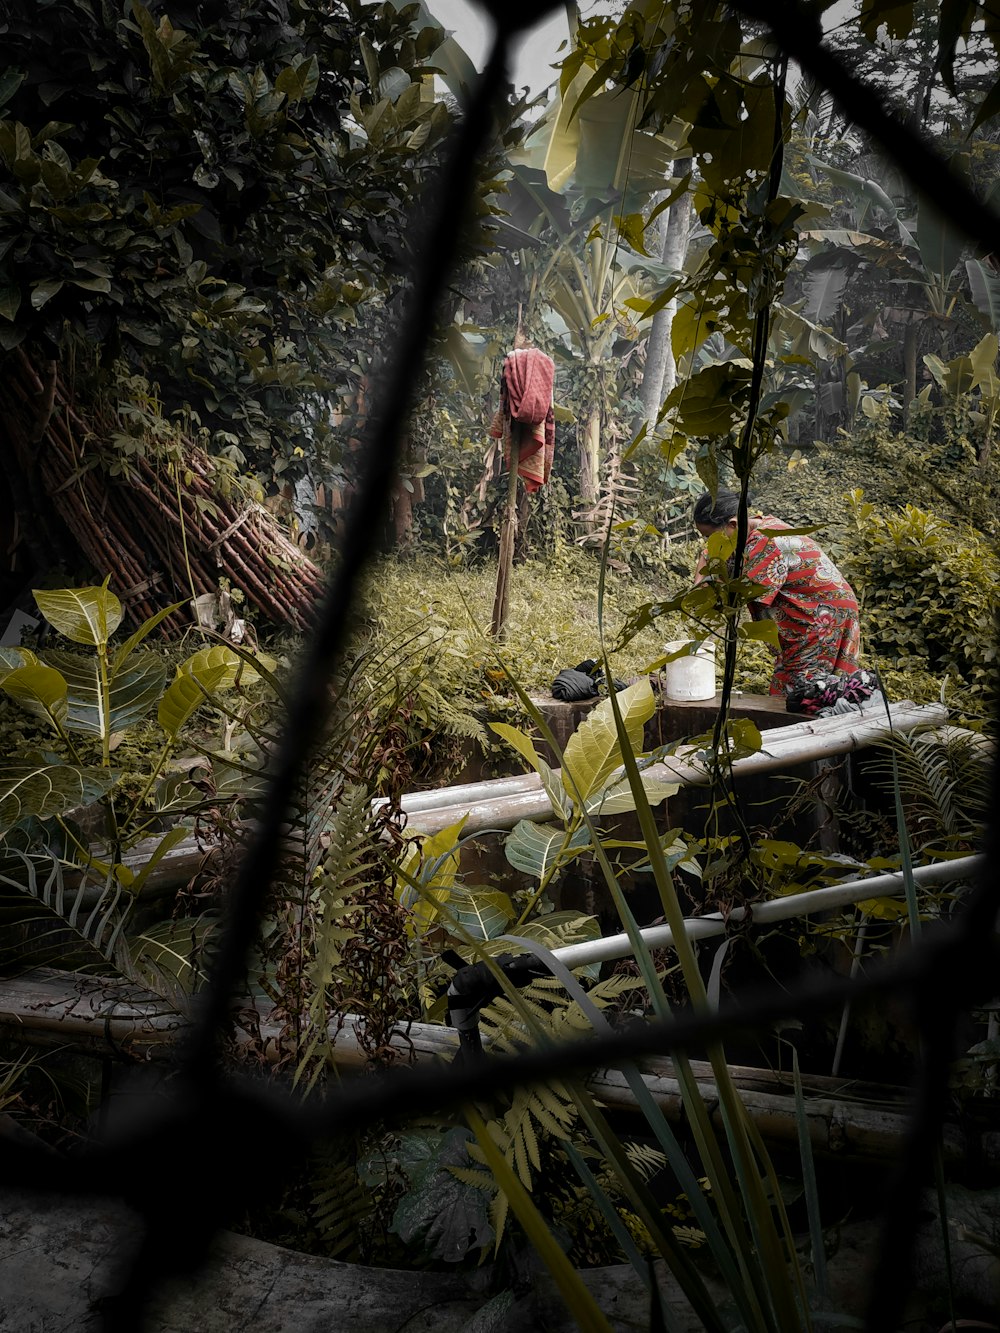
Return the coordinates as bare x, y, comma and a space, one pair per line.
718, 513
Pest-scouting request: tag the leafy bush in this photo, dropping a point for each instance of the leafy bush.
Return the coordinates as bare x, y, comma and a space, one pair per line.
928, 590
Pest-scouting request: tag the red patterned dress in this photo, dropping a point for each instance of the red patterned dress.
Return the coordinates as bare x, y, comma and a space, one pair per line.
809, 600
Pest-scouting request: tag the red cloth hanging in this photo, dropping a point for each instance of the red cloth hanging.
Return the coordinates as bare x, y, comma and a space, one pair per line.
526, 407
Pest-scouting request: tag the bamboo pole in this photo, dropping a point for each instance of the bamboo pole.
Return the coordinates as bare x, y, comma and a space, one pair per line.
103, 1017
122, 539
489, 806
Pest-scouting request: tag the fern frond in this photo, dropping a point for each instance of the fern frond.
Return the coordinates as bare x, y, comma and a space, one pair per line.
480, 1180
944, 782
77, 925
646, 1159
499, 1210
341, 1207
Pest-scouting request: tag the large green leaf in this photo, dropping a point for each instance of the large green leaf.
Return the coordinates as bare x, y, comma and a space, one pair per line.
450, 60
613, 153
41, 689
439, 1212
482, 913
862, 189
535, 848
619, 800
131, 694
985, 284
593, 752
823, 288
185, 696
983, 360
234, 667
43, 790
940, 244
85, 615
11, 658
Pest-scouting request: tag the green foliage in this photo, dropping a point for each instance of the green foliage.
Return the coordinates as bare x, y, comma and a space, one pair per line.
219, 193
928, 590
441, 1212
552, 622
89, 703
944, 782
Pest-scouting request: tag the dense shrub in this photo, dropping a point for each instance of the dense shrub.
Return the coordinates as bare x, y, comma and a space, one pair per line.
928, 590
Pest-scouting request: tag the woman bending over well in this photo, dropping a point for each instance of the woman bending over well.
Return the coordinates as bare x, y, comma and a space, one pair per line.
802, 591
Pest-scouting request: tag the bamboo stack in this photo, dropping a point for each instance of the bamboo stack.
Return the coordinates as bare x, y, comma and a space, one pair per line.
162, 538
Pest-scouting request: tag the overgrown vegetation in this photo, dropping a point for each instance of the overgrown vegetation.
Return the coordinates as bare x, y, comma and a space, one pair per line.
211, 250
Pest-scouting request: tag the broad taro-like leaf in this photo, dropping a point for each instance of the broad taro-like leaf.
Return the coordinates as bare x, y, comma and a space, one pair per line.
185, 696
482, 913
84, 615
534, 848
448, 1217
43, 790
40, 689
593, 752
131, 693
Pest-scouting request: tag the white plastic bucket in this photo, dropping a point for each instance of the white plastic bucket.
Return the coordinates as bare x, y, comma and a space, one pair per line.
693, 675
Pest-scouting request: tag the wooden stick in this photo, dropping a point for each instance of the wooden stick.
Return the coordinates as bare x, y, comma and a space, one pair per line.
508, 534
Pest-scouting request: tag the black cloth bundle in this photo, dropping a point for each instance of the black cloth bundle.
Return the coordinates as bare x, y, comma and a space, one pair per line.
584, 681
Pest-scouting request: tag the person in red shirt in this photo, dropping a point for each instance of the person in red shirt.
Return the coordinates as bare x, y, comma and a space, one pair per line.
811, 603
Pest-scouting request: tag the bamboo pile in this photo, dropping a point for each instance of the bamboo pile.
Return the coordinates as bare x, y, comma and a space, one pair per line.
162, 532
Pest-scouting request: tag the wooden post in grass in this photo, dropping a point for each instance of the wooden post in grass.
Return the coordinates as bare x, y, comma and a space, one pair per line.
508, 534
508, 522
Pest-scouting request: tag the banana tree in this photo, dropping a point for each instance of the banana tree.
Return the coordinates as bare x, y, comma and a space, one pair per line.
585, 174
581, 281
975, 372
920, 260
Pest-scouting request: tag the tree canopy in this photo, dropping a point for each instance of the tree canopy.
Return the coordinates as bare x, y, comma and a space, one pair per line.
212, 191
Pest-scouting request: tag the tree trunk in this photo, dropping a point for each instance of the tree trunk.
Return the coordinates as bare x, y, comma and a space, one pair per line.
589, 434
909, 369
660, 374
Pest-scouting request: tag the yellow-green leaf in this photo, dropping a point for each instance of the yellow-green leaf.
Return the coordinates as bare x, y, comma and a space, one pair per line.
227, 666
521, 743
39, 688
593, 751
185, 696
84, 615
762, 631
